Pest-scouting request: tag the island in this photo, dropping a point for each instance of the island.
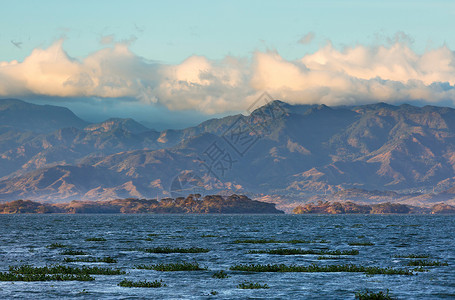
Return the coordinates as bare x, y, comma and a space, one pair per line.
192, 204
349, 207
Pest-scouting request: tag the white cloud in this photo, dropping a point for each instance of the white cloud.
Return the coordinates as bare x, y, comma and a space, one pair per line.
354, 75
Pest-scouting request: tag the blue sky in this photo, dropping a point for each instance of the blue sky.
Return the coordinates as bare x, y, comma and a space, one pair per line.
170, 31
197, 39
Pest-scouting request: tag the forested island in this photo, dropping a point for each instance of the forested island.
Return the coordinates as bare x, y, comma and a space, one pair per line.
192, 204
350, 207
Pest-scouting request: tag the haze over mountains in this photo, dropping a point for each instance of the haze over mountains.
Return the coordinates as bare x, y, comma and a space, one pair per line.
297, 151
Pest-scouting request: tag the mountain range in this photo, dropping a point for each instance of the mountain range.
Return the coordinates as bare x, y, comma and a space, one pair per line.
279, 153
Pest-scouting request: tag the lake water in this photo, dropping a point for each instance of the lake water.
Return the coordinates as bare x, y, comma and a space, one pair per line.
24, 240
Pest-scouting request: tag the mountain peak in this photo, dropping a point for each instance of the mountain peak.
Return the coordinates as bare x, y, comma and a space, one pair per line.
26, 116
118, 123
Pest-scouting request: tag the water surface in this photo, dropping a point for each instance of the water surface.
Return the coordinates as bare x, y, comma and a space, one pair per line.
24, 240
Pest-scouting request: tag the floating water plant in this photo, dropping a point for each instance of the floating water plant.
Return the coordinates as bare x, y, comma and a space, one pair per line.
168, 250
220, 275
106, 259
173, 267
369, 295
144, 284
360, 244
44, 277
315, 268
60, 269
208, 235
304, 252
56, 245
73, 252
420, 269
412, 256
331, 257
426, 263
252, 285
272, 241
96, 239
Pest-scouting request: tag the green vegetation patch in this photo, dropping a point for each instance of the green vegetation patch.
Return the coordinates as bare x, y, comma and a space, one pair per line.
168, 250
96, 239
369, 295
272, 241
303, 252
5, 276
412, 256
56, 245
252, 285
331, 257
426, 263
173, 267
143, 284
220, 275
106, 259
73, 252
60, 269
361, 244
323, 269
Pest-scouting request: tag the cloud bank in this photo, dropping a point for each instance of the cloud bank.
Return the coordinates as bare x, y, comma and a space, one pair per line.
355, 75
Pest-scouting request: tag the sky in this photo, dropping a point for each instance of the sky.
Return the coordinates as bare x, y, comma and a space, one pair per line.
176, 63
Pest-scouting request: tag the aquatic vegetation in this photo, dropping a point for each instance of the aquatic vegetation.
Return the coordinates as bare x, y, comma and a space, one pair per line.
426, 263
220, 275
73, 252
168, 250
369, 295
60, 269
106, 259
252, 285
420, 269
213, 293
144, 284
153, 234
315, 268
95, 239
173, 267
4, 276
331, 257
209, 235
56, 245
360, 244
272, 241
304, 252
412, 256
403, 225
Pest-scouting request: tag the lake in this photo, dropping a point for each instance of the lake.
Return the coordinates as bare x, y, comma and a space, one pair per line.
25, 239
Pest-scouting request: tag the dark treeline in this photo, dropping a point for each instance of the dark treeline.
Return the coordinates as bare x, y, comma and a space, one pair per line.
191, 204
349, 207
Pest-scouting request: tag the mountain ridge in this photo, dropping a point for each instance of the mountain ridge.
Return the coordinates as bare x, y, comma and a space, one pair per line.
296, 151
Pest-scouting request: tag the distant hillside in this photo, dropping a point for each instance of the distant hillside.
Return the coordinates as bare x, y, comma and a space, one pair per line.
234, 204
370, 153
25, 116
